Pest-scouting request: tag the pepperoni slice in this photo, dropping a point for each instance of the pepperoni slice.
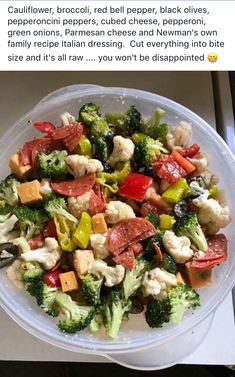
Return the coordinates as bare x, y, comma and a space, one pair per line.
75, 187
126, 259
216, 253
96, 205
170, 171
26, 150
72, 140
158, 252
137, 248
147, 207
127, 232
64, 132
36, 242
99, 191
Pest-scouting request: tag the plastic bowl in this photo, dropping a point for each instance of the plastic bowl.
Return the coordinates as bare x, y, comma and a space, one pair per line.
135, 334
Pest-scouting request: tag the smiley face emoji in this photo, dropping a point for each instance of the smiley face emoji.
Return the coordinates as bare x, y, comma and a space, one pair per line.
212, 57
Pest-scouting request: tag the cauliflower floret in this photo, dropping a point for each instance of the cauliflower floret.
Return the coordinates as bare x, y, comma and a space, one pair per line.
67, 118
113, 275
79, 204
45, 188
182, 134
123, 150
156, 283
201, 200
213, 213
116, 211
200, 161
99, 245
81, 165
180, 137
48, 255
14, 273
22, 244
6, 227
177, 247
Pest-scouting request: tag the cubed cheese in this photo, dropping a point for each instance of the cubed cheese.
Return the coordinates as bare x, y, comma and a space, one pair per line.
83, 259
29, 192
198, 277
98, 223
68, 281
19, 170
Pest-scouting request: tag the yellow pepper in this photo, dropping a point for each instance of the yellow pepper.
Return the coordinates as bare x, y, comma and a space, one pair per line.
166, 222
82, 233
64, 230
84, 147
213, 190
111, 180
175, 192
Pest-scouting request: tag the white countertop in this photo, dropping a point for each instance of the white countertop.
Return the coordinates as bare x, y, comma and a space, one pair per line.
22, 90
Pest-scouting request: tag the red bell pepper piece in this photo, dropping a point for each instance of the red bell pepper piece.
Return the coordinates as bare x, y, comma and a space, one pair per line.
45, 127
190, 151
134, 186
52, 278
50, 229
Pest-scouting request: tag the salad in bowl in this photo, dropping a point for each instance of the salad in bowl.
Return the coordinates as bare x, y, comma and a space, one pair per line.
111, 215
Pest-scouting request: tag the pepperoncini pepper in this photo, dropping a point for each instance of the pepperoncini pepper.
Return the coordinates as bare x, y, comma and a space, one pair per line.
84, 147
111, 180
64, 230
82, 233
166, 222
176, 191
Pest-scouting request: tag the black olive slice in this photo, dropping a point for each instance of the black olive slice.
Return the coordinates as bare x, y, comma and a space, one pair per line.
8, 253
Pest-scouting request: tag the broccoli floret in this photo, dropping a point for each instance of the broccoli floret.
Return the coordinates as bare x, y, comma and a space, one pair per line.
55, 205
152, 218
133, 277
188, 226
52, 165
146, 151
158, 312
115, 310
31, 221
91, 287
132, 120
32, 272
5, 212
153, 128
99, 127
88, 113
8, 190
149, 251
77, 316
129, 121
182, 297
100, 149
96, 324
168, 263
45, 296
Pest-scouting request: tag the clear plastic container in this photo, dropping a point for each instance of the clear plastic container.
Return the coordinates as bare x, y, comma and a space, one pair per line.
135, 334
